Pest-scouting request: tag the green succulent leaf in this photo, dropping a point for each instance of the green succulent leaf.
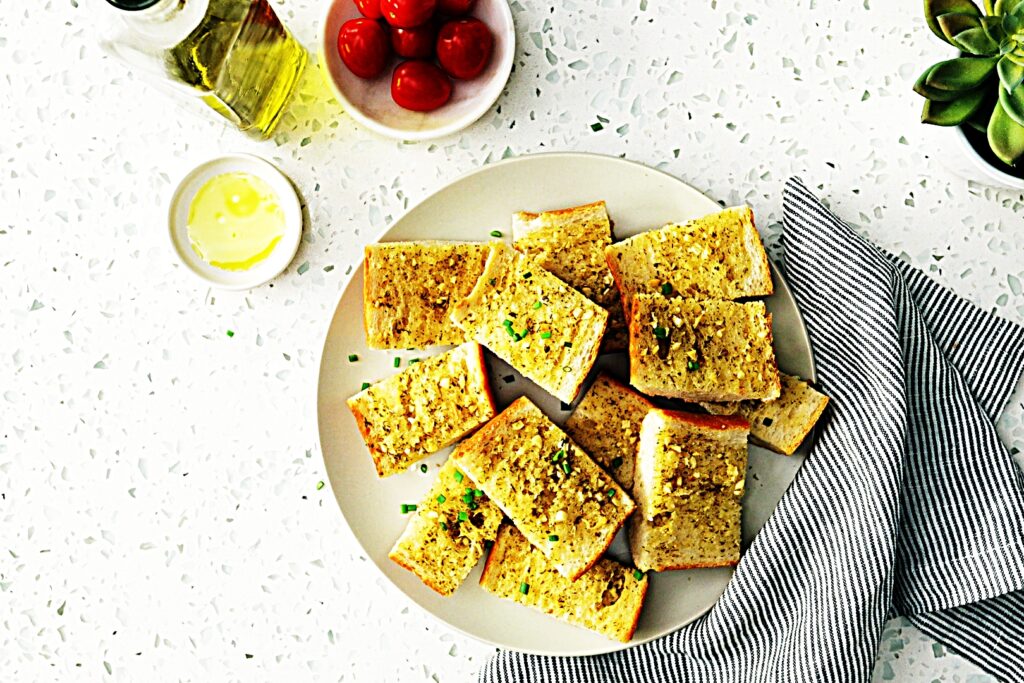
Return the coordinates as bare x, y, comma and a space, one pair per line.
933, 9
1005, 136
976, 41
930, 93
954, 24
990, 7
1005, 6
1013, 104
960, 74
994, 28
952, 113
1011, 74
1011, 24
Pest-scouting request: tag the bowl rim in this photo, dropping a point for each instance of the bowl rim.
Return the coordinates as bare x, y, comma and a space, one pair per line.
504, 72
993, 174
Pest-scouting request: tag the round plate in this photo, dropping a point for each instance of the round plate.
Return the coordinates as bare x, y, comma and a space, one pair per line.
369, 101
639, 198
268, 268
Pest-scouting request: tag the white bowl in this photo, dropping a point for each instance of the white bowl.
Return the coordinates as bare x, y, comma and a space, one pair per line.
262, 272
369, 101
983, 171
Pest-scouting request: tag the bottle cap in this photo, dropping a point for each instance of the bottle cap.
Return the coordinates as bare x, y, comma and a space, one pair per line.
132, 5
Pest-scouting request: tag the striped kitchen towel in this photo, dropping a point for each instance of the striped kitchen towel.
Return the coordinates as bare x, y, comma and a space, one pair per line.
908, 503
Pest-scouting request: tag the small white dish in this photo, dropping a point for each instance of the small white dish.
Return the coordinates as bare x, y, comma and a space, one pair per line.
369, 101
260, 273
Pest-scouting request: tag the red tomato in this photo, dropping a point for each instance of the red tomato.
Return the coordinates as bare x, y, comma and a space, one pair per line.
414, 42
407, 13
455, 7
364, 47
464, 47
420, 86
369, 8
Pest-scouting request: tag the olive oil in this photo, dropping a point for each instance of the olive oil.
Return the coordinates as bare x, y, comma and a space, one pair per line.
235, 221
243, 61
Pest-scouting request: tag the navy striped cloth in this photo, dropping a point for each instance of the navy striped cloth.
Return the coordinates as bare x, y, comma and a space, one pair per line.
908, 503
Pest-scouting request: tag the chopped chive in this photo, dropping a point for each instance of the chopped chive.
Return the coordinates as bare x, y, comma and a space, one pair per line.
458, 476
423, 468
231, 333
507, 323
495, 233
473, 505
596, 127
364, 386
463, 515
567, 345
524, 588
444, 527
527, 275
441, 498
553, 537
352, 358
477, 493
637, 574
660, 332
565, 466
467, 498
617, 462
413, 360
692, 365
407, 508
545, 335
666, 289
319, 485
537, 305
611, 493
469, 489
398, 362
493, 281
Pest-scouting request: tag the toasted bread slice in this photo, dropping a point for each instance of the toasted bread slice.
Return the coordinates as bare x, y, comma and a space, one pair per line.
690, 473
706, 350
409, 288
448, 531
570, 243
784, 423
606, 423
719, 256
607, 599
560, 499
539, 325
424, 408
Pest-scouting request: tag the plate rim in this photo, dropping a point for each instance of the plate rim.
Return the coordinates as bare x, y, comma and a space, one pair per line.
612, 646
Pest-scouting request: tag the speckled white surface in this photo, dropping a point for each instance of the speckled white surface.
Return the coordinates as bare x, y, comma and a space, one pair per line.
158, 479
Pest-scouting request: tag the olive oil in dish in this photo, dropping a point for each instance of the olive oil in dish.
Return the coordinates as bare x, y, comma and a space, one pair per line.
234, 55
235, 221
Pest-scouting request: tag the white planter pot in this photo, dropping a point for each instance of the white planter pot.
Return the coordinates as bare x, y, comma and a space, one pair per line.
975, 167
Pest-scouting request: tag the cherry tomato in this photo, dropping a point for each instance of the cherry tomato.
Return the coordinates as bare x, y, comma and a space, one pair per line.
364, 47
464, 47
407, 13
369, 8
420, 86
455, 7
414, 42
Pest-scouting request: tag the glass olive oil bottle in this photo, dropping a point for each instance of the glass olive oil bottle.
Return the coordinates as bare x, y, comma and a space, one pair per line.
234, 55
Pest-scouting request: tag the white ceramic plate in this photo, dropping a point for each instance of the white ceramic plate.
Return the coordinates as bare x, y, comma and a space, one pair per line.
639, 198
369, 101
268, 268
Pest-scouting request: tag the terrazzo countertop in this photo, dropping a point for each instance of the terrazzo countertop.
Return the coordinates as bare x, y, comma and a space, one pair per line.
159, 496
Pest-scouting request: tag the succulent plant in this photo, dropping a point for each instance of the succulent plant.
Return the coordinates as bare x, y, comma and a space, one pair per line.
984, 87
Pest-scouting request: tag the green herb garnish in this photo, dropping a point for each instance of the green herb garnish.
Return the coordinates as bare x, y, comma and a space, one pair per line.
536, 305
398, 362
444, 527
660, 332
467, 498
458, 476
637, 574
611, 493
413, 360
666, 289
477, 493
364, 386
423, 469
493, 281
441, 498
565, 466
495, 233
352, 358
545, 335
230, 333
567, 345
527, 275
463, 515
407, 508
319, 485
692, 365
553, 538
524, 588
